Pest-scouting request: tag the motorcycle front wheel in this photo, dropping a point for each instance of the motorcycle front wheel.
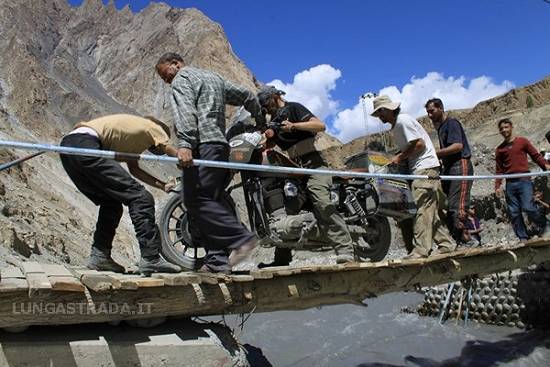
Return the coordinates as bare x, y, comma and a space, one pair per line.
374, 245
177, 246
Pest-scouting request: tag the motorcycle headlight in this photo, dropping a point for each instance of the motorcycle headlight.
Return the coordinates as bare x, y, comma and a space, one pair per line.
290, 189
334, 197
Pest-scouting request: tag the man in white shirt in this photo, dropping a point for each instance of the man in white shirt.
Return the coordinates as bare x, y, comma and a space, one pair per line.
417, 150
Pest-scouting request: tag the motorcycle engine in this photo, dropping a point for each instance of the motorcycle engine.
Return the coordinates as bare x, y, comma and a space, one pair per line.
292, 227
283, 201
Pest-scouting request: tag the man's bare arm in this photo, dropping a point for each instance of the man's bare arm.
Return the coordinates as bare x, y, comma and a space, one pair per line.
313, 125
451, 149
143, 176
413, 147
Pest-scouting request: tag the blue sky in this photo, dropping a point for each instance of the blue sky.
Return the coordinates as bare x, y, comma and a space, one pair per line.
327, 53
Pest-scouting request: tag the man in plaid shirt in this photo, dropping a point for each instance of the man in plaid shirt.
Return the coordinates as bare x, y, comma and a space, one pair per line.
198, 102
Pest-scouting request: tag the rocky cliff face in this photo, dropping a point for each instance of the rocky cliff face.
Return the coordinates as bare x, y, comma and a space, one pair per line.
60, 65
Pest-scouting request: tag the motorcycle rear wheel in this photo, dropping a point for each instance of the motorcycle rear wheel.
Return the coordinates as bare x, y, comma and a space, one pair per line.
378, 240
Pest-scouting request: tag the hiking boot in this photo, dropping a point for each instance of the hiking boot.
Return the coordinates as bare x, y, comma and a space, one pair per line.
283, 257
345, 253
207, 270
466, 243
274, 263
344, 258
414, 255
157, 265
242, 252
101, 261
442, 251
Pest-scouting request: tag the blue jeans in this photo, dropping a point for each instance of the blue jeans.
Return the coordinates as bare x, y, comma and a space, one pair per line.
519, 198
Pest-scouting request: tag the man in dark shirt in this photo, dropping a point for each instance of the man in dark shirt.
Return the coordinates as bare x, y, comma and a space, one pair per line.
298, 129
454, 153
511, 157
198, 102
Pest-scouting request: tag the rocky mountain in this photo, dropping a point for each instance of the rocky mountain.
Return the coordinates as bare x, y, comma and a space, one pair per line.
60, 65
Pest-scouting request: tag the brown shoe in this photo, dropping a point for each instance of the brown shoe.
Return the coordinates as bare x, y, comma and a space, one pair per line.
242, 252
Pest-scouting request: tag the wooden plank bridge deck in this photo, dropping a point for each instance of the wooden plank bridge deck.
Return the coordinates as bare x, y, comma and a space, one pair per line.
41, 294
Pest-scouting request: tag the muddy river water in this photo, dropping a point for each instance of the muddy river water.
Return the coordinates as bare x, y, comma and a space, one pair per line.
382, 335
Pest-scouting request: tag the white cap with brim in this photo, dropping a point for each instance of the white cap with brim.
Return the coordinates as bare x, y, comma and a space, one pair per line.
384, 102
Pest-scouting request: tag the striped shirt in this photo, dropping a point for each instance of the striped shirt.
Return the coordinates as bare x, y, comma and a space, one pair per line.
198, 102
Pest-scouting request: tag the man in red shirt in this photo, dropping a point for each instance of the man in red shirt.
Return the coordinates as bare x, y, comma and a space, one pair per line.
511, 157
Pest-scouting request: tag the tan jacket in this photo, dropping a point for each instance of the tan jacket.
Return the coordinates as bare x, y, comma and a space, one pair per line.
127, 133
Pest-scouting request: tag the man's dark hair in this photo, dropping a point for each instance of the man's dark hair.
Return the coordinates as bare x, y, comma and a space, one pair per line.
169, 57
437, 103
504, 121
547, 136
266, 92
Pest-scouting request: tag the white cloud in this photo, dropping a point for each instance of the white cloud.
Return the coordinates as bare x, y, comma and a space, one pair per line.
456, 93
313, 89
350, 123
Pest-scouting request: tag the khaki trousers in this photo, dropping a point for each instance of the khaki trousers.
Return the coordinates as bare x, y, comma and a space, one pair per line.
331, 224
429, 227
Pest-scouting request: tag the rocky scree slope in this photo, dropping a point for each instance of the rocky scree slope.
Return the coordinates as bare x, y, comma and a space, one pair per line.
60, 65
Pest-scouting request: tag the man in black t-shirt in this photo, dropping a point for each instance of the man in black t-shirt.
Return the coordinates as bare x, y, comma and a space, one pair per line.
297, 135
454, 153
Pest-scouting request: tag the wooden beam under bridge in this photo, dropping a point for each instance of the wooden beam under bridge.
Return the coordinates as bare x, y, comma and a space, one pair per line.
40, 294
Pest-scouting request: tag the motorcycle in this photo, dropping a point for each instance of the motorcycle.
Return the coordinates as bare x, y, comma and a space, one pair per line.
278, 208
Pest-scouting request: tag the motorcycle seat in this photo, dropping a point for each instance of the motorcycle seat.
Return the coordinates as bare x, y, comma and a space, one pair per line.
280, 159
